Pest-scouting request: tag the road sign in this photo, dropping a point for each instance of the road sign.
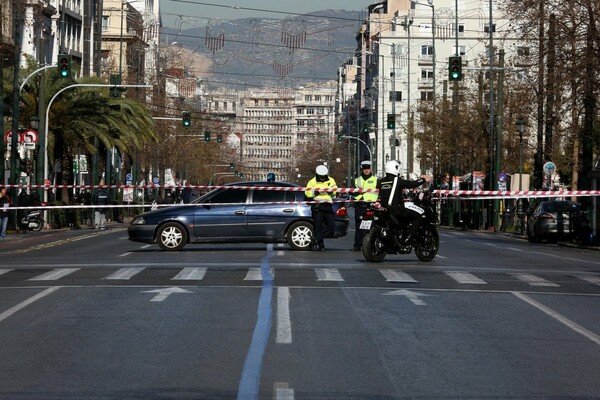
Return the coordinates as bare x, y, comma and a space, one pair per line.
29, 138
502, 177
549, 168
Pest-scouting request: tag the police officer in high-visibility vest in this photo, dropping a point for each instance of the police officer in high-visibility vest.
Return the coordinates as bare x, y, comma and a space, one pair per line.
321, 189
366, 180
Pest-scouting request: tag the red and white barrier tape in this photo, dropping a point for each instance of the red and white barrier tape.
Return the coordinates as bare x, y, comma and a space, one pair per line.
464, 194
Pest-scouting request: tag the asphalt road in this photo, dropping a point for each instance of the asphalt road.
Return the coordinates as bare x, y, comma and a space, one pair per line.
90, 315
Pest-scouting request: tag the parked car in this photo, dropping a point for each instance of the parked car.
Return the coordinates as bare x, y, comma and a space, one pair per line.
555, 220
236, 216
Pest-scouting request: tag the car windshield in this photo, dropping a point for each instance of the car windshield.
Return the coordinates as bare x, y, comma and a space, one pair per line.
561, 206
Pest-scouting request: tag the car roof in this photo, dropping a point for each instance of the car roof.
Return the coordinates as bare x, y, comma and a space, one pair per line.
262, 183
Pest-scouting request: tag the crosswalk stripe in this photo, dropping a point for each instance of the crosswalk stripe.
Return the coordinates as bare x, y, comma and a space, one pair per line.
124, 273
590, 278
190, 274
391, 275
329, 274
4, 271
55, 274
534, 280
465, 277
255, 274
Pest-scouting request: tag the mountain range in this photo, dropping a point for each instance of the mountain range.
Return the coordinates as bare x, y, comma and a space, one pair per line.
270, 52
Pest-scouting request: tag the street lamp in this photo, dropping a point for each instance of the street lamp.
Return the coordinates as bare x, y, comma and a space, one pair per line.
520, 124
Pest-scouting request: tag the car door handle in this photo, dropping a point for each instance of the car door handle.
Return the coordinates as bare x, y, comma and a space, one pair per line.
241, 212
288, 210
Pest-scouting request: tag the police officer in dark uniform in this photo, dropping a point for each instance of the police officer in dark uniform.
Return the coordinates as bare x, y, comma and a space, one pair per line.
390, 194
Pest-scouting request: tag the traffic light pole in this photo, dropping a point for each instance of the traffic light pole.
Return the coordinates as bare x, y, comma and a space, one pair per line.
363, 142
45, 133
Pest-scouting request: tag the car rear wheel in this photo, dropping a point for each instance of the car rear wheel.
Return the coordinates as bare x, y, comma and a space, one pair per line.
300, 235
171, 236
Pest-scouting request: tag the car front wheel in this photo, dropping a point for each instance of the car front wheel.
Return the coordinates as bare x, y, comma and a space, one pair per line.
171, 236
300, 236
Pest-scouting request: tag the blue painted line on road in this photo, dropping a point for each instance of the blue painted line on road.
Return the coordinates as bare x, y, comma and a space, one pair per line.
249, 386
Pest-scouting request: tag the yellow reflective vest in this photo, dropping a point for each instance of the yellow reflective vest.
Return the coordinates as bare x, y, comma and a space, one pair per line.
370, 183
314, 187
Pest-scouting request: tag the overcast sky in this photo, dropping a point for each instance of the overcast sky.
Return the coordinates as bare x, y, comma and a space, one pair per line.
172, 9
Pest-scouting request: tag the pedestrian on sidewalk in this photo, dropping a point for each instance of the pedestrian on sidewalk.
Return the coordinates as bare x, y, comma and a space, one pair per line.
100, 199
5, 202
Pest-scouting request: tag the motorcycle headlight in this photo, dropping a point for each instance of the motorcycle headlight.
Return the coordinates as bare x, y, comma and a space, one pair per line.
138, 221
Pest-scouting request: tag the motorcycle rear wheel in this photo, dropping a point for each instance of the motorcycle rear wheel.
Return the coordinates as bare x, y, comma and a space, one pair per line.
36, 225
429, 243
373, 247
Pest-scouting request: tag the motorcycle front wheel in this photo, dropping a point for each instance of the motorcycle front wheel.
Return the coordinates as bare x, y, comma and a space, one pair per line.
36, 225
429, 243
373, 247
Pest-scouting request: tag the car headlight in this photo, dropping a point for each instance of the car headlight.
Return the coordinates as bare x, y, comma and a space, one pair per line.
138, 221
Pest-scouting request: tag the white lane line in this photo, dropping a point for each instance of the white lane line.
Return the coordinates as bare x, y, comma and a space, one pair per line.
254, 274
284, 394
284, 324
54, 274
560, 318
391, 275
27, 302
595, 280
4, 271
465, 277
534, 280
190, 274
124, 273
145, 246
124, 254
329, 274
438, 256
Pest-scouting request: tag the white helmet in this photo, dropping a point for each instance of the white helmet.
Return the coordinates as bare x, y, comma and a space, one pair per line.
392, 167
322, 170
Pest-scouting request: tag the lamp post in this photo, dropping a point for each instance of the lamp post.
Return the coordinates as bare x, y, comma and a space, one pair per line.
520, 124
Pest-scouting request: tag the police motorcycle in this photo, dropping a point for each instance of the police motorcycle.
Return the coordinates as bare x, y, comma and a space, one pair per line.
385, 235
32, 221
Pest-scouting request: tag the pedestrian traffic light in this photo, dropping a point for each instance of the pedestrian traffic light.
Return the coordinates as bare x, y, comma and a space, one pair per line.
115, 79
219, 138
186, 119
28, 165
207, 136
454, 68
231, 166
64, 66
391, 121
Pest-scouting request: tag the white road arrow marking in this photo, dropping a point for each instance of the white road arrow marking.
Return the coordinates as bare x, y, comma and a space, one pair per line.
162, 294
410, 295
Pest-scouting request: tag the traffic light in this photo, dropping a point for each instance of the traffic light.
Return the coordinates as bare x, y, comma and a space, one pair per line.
340, 138
454, 68
115, 79
365, 129
219, 138
231, 166
186, 120
391, 121
207, 136
64, 66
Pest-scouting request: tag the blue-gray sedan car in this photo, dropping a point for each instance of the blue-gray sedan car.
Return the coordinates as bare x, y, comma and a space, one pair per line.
236, 216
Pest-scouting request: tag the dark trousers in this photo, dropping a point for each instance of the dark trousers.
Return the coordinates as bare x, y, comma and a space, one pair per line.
359, 211
324, 222
406, 217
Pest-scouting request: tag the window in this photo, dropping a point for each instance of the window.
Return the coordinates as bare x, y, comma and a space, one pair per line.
266, 102
461, 29
486, 28
269, 196
300, 111
426, 50
307, 97
396, 96
427, 96
105, 23
317, 97
462, 50
310, 111
523, 51
426, 74
256, 102
229, 196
